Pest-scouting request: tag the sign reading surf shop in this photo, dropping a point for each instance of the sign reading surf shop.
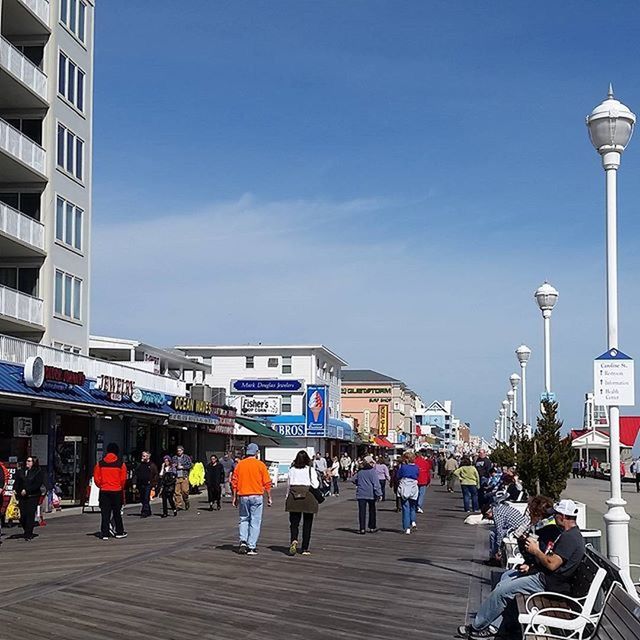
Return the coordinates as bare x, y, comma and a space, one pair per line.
183, 403
115, 388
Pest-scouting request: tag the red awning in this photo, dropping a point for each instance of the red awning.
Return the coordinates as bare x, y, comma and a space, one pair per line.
383, 442
629, 427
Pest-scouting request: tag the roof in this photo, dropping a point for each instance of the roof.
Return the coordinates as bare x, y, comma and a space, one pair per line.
629, 427
211, 349
367, 375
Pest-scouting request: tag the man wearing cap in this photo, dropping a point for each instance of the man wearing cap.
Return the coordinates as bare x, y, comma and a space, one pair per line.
250, 481
505, 520
182, 462
553, 569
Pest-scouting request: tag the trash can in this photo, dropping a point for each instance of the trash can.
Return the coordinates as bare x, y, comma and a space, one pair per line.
593, 537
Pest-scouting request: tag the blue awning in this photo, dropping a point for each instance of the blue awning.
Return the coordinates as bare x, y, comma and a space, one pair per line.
294, 425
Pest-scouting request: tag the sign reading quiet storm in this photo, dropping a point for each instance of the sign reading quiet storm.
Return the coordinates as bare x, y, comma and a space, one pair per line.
613, 379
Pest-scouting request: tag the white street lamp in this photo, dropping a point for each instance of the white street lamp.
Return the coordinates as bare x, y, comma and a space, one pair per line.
505, 420
610, 128
523, 354
514, 379
502, 419
511, 394
546, 297
496, 431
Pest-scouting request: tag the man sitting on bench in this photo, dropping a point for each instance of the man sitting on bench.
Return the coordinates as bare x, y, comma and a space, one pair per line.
552, 571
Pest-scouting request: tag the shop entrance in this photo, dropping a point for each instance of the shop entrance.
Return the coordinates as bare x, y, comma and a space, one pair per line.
71, 470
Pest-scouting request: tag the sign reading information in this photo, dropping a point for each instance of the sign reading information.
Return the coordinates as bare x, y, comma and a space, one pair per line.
613, 379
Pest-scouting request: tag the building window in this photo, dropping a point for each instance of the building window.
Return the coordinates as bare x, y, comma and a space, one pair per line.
70, 155
67, 347
286, 364
286, 404
272, 362
69, 223
73, 14
67, 295
248, 362
70, 81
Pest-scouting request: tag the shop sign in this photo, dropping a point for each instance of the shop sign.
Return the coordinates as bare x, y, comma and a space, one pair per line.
11, 468
156, 362
290, 430
226, 415
316, 411
115, 388
37, 374
366, 424
267, 386
201, 419
365, 390
183, 403
148, 398
383, 420
377, 400
22, 427
261, 406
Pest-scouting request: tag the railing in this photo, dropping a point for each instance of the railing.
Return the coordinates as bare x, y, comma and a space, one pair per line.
16, 350
20, 306
22, 68
18, 225
17, 144
40, 8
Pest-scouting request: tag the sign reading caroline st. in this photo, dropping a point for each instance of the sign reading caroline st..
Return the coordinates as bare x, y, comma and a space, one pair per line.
267, 386
614, 379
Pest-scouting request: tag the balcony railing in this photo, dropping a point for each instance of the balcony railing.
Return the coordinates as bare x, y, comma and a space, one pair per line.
22, 68
40, 8
20, 306
18, 145
21, 227
16, 350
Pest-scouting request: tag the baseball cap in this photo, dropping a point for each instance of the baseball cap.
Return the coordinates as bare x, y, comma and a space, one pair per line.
252, 449
566, 508
369, 460
500, 497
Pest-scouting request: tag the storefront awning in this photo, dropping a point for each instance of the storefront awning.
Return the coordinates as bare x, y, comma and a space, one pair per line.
261, 429
383, 442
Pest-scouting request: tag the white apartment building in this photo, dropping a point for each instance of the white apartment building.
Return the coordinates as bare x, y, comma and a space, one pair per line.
46, 110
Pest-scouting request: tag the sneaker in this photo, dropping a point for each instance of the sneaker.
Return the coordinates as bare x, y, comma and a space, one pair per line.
408, 531
175, 513
252, 552
164, 515
374, 530
243, 548
420, 510
293, 549
362, 532
414, 525
467, 631
121, 535
104, 537
306, 553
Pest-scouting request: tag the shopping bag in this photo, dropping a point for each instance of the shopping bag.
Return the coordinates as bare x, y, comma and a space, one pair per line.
13, 510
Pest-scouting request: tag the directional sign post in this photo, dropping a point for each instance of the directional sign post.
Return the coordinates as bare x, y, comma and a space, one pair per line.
613, 379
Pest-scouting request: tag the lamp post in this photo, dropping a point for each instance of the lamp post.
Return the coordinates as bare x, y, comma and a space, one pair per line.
523, 353
496, 431
501, 412
511, 394
514, 379
505, 421
546, 297
610, 128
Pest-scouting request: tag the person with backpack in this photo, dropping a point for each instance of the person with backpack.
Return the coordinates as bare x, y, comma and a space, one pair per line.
110, 476
368, 491
301, 503
168, 477
407, 476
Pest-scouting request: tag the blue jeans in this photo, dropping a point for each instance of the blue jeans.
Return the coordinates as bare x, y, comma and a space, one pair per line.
409, 510
422, 494
250, 519
145, 498
491, 610
470, 497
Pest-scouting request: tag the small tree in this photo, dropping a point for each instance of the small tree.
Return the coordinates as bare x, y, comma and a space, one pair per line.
503, 455
527, 468
553, 454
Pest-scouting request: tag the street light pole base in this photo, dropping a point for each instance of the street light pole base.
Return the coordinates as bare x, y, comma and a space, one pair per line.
617, 525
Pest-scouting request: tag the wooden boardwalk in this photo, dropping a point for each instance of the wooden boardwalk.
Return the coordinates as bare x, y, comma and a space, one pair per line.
181, 578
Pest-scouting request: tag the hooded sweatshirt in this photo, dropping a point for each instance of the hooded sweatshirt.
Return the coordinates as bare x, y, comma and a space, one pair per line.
110, 474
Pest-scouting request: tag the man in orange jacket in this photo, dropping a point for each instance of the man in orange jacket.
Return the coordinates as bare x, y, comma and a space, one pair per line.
110, 475
249, 482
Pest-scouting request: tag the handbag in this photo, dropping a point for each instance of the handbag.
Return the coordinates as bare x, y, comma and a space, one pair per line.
315, 492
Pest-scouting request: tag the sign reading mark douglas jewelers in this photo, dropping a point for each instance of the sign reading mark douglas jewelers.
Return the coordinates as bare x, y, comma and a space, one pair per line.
267, 386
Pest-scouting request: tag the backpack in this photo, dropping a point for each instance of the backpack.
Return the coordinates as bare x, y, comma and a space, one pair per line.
408, 489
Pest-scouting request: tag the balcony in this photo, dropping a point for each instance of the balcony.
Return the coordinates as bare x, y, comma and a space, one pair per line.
26, 17
21, 159
16, 350
20, 235
19, 312
22, 84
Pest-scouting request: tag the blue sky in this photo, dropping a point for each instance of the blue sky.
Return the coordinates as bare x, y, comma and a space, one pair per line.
390, 179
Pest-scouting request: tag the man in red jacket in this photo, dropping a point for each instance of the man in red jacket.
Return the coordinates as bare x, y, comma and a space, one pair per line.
110, 475
424, 477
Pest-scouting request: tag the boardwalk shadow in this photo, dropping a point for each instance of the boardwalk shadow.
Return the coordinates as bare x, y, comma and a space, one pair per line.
279, 549
348, 529
435, 565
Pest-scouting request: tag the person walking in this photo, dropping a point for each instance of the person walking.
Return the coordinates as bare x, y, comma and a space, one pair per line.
250, 482
367, 493
214, 475
335, 475
182, 463
424, 479
145, 478
110, 476
28, 486
345, 466
635, 470
575, 469
469, 479
301, 503
228, 465
450, 466
407, 476
383, 475
168, 478
583, 468
442, 472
